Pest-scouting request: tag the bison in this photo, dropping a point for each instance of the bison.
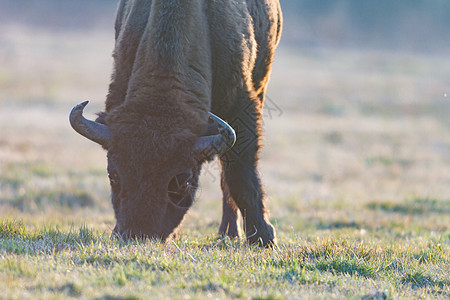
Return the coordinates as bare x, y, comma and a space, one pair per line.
181, 67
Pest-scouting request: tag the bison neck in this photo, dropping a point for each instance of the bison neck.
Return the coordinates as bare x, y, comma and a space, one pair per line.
172, 59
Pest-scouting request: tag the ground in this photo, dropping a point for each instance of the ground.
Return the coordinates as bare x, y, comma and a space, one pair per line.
356, 167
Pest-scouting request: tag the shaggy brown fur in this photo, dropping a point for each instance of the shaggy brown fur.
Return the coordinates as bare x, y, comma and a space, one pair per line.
174, 61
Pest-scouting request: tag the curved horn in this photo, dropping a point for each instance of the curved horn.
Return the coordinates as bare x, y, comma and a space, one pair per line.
94, 131
208, 146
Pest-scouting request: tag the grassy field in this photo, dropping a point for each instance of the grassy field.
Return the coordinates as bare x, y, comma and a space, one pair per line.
356, 167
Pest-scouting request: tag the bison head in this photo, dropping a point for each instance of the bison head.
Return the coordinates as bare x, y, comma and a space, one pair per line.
153, 171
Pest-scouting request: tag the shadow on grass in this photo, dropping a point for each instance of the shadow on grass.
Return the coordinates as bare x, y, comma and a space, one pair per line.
70, 289
111, 297
420, 280
50, 198
416, 206
338, 257
339, 225
348, 267
17, 239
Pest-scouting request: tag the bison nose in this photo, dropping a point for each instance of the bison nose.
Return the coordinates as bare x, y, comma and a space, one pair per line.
119, 235
115, 234
135, 234
123, 234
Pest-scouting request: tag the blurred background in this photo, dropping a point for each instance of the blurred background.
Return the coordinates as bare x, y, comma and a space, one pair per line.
357, 118
402, 25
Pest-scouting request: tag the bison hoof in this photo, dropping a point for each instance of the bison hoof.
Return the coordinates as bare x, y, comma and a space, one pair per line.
263, 238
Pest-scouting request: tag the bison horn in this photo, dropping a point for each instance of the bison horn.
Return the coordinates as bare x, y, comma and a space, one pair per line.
94, 131
208, 146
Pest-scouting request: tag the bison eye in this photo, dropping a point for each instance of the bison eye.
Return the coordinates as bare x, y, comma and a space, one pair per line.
180, 182
180, 186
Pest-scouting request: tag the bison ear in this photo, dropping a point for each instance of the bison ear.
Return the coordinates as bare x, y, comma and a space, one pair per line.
221, 137
94, 131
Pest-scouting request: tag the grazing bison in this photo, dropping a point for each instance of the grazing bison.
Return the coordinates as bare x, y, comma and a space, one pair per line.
178, 64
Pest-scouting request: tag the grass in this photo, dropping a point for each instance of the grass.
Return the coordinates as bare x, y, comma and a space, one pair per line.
356, 168
83, 262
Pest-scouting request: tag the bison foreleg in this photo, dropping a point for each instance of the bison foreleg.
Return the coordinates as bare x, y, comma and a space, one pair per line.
239, 167
229, 224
